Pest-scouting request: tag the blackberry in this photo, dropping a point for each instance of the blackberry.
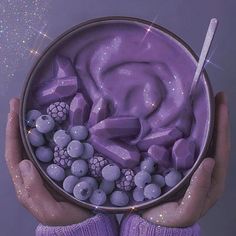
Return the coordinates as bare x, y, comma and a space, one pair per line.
62, 158
96, 164
126, 181
58, 111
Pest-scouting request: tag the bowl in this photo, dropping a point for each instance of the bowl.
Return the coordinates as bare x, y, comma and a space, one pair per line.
41, 73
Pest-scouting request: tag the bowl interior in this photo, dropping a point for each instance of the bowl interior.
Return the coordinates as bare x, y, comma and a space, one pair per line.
66, 45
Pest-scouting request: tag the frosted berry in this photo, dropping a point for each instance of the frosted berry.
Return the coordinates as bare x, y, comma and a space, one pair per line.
111, 172
126, 181
159, 180
61, 157
31, 117
82, 190
119, 198
92, 181
107, 186
173, 178
98, 197
35, 137
75, 148
79, 132
147, 165
58, 111
44, 154
56, 172
96, 165
45, 124
138, 194
152, 191
61, 138
69, 183
79, 168
142, 178
88, 151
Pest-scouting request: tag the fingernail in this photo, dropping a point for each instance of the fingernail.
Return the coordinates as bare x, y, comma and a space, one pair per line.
208, 165
13, 104
25, 167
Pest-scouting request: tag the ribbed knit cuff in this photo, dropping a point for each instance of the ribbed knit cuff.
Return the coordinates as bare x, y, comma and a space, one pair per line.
134, 225
95, 226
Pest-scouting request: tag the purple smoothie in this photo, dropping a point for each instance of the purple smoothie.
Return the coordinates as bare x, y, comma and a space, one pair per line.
130, 87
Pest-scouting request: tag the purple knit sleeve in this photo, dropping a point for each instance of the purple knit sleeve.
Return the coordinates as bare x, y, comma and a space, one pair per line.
95, 226
136, 226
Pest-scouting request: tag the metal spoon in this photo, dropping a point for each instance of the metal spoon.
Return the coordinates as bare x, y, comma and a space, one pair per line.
205, 49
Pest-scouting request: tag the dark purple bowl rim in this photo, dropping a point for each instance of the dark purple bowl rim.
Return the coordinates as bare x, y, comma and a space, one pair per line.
172, 194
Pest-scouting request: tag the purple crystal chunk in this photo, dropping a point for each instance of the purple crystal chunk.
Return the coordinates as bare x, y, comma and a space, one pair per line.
117, 127
99, 111
126, 156
79, 110
63, 67
162, 137
183, 154
57, 89
160, 155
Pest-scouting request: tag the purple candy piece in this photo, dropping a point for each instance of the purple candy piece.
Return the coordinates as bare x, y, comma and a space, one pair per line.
126, 156
183, 154
160, 155
63, 67
79, 110
184, 122
57, 90
162, 137
99, 111
117, 127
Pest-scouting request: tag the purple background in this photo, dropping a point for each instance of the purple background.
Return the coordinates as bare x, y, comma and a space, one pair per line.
187, 18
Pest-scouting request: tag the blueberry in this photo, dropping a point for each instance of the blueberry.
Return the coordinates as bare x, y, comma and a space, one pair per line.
173, 178
35, 137
61, 138
119, 198
107, 186
82, 190
45, 124
44, 154
152, 191
79, 168
79, 132
56, 172
92, 181
98, 197
159, 180
142, 178
31, 117
88, 151
138, 194
147, 165
69, 183
111, 172
75, 148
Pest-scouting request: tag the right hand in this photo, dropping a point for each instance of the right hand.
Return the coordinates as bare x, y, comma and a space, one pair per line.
207, 183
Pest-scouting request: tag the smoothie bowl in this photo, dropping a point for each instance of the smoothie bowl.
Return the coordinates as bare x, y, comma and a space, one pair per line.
107, 119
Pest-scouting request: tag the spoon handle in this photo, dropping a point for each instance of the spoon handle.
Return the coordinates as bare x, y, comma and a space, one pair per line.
205, 49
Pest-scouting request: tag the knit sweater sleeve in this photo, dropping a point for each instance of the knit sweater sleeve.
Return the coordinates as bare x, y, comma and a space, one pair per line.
95, 226
136, 226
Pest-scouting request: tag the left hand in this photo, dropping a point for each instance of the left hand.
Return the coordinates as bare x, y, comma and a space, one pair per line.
30, 188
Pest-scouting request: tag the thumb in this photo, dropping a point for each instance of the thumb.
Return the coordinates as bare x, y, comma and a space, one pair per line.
194, 199
39, 201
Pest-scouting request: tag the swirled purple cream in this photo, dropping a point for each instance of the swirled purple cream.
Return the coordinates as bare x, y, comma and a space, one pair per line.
129, 88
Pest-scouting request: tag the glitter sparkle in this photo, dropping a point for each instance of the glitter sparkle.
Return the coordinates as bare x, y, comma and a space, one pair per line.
19, 37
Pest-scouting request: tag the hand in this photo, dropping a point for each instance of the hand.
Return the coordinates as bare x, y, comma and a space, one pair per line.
29, 186
207, 183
